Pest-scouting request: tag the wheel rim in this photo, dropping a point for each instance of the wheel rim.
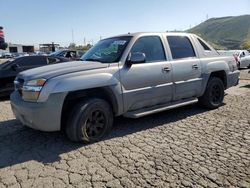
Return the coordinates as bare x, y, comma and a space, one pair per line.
95, 124
216, 94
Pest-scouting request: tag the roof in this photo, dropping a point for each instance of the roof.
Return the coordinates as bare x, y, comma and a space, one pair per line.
151, 33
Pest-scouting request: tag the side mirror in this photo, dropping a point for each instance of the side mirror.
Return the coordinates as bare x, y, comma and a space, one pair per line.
14, 67
136, 58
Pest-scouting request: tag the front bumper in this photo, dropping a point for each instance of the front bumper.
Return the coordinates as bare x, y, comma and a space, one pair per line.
44, 116
233, 78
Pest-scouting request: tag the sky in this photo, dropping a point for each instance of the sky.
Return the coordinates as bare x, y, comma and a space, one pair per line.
43, 21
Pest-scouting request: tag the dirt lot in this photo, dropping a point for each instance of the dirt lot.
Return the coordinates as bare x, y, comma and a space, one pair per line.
189, 147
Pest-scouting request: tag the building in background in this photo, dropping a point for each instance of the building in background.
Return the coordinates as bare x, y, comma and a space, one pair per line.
47, 48
20, 48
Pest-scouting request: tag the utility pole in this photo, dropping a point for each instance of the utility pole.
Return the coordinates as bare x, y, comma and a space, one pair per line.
73, 40
84, 41
53, 49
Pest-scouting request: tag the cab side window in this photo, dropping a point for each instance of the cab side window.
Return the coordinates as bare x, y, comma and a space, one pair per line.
180, 47
151, 46
204, 46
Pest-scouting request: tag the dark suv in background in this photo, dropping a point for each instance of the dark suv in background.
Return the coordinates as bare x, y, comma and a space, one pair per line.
12, 67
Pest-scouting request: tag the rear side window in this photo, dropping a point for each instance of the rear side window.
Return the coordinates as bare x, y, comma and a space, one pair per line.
205, 47
180, 47
151, 46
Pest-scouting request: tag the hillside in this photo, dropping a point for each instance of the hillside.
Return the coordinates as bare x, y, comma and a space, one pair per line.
225, 32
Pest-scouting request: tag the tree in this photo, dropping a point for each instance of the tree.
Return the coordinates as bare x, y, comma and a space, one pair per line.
72, 46
245, 45
84, 48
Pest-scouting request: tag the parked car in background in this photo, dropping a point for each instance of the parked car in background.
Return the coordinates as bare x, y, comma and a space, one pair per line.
243, 58
70, 54
6, 55
41, 53
130, 75
10, 68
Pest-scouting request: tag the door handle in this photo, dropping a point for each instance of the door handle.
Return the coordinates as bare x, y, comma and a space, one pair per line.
166, 69
195, 66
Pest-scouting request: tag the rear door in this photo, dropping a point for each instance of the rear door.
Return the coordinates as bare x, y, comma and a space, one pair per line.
186, 67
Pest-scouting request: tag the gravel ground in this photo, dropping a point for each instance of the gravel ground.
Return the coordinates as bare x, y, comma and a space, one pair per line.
186, 147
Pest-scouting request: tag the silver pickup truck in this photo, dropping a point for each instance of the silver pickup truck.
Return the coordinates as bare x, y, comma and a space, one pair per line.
132, 75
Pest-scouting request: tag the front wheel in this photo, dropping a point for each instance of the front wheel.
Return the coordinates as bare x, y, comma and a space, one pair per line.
214, 94
90, 121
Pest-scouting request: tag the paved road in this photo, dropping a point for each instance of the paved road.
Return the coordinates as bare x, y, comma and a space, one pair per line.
189, 147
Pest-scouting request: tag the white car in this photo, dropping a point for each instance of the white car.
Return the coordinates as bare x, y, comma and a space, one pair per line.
243, 58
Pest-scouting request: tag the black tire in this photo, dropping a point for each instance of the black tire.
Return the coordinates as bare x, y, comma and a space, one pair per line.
214, 94
89, 121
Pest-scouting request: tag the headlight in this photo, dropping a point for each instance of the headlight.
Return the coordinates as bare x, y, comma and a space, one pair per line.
31, 89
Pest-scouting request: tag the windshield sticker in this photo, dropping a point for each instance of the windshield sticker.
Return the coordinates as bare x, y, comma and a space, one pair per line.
119, 42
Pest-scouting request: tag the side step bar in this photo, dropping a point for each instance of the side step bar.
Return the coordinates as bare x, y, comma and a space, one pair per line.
159, 108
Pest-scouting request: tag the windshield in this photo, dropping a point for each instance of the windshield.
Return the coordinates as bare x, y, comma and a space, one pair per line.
55, 53
108, 50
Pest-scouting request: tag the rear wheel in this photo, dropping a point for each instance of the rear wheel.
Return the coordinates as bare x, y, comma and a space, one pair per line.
90, 121
214, 94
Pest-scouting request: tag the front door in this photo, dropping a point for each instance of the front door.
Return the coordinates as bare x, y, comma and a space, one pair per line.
149, 83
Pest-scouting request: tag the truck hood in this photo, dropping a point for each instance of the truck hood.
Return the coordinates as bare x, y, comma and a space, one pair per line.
51, 71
